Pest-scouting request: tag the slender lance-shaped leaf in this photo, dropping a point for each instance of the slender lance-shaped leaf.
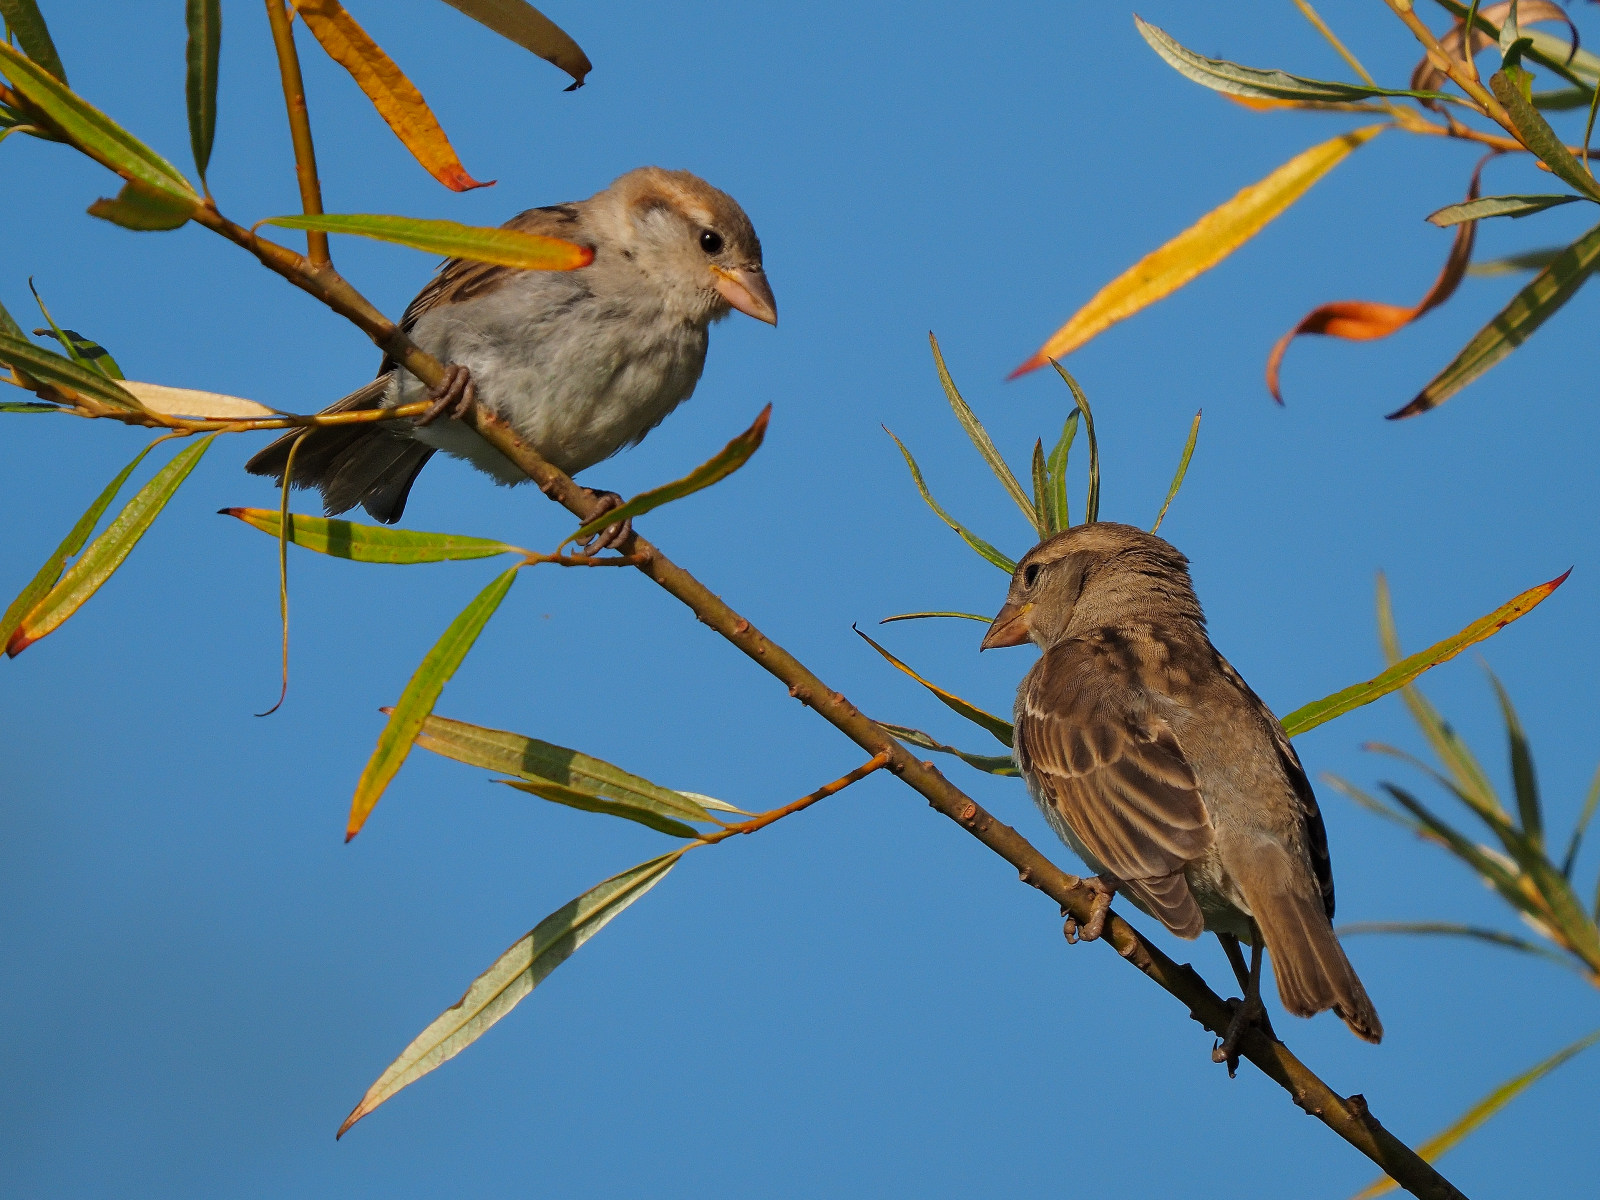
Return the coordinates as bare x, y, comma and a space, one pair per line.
520, 22
589, 802
1432, 1149
107, 552
1499, 206
1494, 937
395, 97
992, 764
1183, 469
9, 326
28, 406
96, 134
1200, 247
188, 402
200, 83
1590, 802
1523, 780
1403, 672
514, 974
370, 543
917, 616
541, 762
1041, 488
72, 345
726, 461
86, 351
984, 550
503, 247
1002, 730
1091, 503
47, 575
1493, 868
1056, 466
60, 372
980, 438
1512, 325
28, 27
419, 697
1536, 134
1513, 264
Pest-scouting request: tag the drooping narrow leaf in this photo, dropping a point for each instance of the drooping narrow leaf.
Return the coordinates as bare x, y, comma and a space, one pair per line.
70, 344
47, 575
62, 373
1001, 729
200, 84
917, 616
27, 26
1057, 467
395, 97
1490, 866
1403, 672
542, 762
985, 445
504, 247
1512, 325
1498, 206
420, 695
107, 552
1523, 780
1513, 264
589, 802
1488, 809
520, 22
1469, 1121
1183, 469
1091, 504
87, 352
984, 550
1494, 937
724, 463
91, 130
1590, 802
370, 543
512, 976
1234, 80
992, 764
1536, 134
1041, 488
1200, 247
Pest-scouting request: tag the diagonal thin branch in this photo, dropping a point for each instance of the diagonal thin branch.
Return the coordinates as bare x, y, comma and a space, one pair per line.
305, 155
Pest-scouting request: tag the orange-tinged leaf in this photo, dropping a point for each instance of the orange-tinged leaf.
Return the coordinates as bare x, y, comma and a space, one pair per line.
395, 97
1366, 320
1200, 247
529, 28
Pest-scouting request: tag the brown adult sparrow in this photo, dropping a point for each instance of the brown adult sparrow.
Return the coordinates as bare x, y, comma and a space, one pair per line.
579, 363
1155, 761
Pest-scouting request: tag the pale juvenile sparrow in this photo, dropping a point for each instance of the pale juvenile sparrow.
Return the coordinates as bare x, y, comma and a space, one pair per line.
579, 363
1155, 761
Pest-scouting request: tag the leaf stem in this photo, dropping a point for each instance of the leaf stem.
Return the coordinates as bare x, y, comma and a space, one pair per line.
1466, 80
305, 154
876, 762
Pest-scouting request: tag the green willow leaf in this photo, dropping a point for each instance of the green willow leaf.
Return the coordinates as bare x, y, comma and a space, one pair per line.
421, 693
502, 247
1489, 866
1183, 469
992, 764
1590, 802
1056, 466
1001, 729
1452, 929
33, 35
519, 22
96, 134
542, 762
28, 406
513, 975
370, 543
69, 344
47, 575
1516, 264
1234, 80
1041, 488
1469, 1121
917, 616
143, 209
204, 49
1091, 504
9, 326
1536, 135
1524, 782
984, 550
1498, 206
1311, 715
1575, 65
985, 445
88, 352
108, 551
62, 373
589, 802
715, 469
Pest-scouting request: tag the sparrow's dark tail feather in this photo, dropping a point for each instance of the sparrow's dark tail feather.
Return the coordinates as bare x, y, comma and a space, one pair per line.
1312, 971
373, 465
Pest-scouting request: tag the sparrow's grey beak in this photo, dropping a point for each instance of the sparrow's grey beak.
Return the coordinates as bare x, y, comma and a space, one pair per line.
746, 288
1010, 627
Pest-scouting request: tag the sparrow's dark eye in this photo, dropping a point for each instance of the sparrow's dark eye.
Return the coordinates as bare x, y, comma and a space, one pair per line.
1029, 574
711, 241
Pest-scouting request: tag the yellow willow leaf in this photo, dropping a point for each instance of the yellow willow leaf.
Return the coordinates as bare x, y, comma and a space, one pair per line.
186, 402
394, 96
1200, 247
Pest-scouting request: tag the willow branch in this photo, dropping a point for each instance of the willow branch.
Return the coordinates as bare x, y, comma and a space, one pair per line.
875, 763
1466, 80
305, 154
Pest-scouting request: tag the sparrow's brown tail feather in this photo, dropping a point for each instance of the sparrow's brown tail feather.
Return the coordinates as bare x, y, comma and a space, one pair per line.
1311, 968
1169, 901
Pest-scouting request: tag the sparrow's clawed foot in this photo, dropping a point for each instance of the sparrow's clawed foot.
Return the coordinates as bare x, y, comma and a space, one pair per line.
612, 535
453, 396
1247, 1012
1104, 889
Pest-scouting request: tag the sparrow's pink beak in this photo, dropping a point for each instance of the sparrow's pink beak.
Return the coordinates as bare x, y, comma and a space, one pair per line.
1010, 627
746, 288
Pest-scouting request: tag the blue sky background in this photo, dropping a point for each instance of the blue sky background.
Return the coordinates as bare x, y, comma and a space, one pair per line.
201, 978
